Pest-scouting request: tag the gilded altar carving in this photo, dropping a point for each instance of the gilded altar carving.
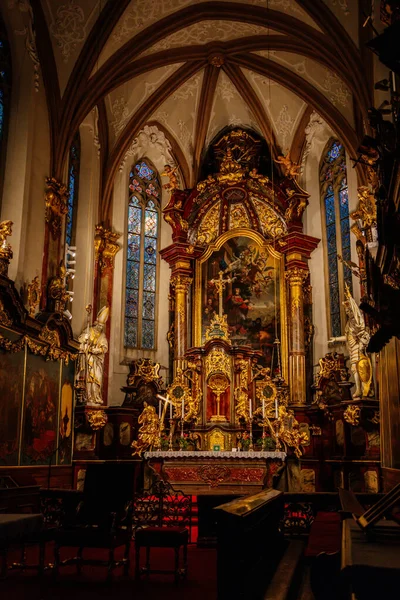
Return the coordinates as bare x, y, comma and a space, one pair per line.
352, 414
230, 170
56, 203
181, 283
217, 437
209, 226
218, 329
272, 223
34, 295
178, 393
6, 252
105, 246
238, 217
173, 213
50, 336
218, 361
96, 419
146, 370
296, 276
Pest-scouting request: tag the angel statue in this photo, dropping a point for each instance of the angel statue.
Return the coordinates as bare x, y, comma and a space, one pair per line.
93, 347
290, 169
356, 336
171, 173
149, 431
5, 249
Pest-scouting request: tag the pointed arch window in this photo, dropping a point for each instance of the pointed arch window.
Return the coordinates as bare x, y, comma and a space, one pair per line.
141, 259
73, 188
5, 89
336, 225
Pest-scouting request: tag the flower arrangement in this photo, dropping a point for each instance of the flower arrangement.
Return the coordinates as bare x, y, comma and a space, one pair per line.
243, 441
184, 441
164, 442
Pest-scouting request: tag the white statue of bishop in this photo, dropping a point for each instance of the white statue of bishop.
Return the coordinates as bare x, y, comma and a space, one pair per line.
93, 347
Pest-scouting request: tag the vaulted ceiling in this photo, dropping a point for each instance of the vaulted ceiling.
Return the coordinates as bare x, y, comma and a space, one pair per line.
194, 67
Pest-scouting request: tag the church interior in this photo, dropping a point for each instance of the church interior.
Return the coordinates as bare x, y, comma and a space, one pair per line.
199, 292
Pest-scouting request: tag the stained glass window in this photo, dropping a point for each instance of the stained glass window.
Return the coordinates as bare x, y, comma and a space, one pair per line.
73, 188
141, 258
335, 199
5, 89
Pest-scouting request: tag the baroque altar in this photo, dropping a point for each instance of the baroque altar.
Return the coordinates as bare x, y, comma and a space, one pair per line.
239, 298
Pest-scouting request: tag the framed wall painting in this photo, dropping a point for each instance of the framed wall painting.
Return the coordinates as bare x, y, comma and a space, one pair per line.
12, 365
41, 411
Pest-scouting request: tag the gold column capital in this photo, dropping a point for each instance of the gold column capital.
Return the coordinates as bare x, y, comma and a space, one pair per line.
105, 246
296, 275
181, 283
56, 203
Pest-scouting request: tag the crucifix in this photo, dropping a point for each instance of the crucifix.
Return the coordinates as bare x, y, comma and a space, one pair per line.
220, 285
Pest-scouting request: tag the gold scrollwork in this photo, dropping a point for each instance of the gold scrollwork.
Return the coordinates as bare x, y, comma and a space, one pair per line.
296, 276
50, 336
96, 419
4, 316
181, 283
238, 217
6, 252
352, 414
366, 210
209, 226
218, 329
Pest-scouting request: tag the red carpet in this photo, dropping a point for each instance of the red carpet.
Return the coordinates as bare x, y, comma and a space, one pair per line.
200, 582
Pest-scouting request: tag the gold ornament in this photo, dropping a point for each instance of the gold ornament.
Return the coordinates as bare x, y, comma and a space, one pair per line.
34, 295
230, 171
209, 226
218, 329
4, 316
56, 202
238, 217
271, 222
96, 419
366, 210
56, 290
290, 169
106, 247
149, 431
6, 252
171, 173
352, 414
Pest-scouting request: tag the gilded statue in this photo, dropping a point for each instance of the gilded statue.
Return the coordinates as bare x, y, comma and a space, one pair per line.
202, 185
171, 173
93, 347
5, 232
263, 179
357, 336
57, 294
366, 211
34, 295
297, 205
230, 171
290, 169
149, 431
6, 252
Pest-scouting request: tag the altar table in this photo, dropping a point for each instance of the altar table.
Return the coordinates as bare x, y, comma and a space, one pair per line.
214, 473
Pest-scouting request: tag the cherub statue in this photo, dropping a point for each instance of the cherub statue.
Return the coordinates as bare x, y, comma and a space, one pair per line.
149, 432
291, 169
263, 179
171, 173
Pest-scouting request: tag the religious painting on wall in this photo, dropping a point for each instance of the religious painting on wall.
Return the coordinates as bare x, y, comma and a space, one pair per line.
252, 295
11, 396
66, 414
40, 423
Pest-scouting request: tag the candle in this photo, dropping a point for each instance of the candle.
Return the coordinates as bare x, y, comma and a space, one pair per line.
159, 409
276, 408
170, 410
250, 409
183, 408
263, 408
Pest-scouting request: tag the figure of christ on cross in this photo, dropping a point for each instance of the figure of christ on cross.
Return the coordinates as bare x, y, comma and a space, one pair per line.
220, 285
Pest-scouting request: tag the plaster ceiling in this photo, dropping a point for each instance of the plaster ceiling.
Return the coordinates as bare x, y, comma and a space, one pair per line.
195, 67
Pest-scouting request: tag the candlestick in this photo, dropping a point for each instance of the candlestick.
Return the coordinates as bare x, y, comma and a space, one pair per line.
250, 409
276, 408
159, 409
263, 408
170, 410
